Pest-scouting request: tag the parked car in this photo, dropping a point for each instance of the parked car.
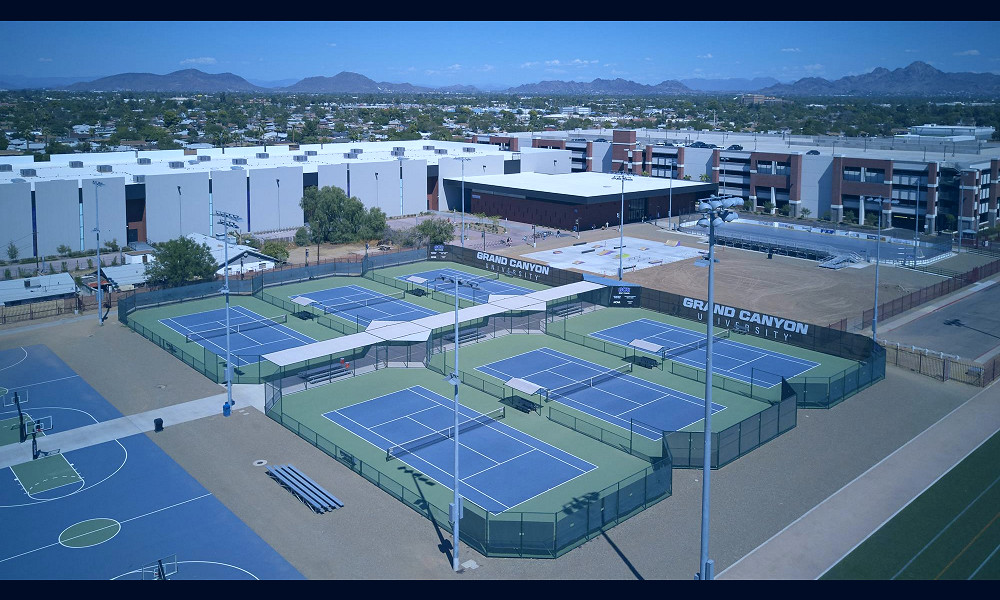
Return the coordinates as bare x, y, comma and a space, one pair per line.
813, 152
735, 147
699, 145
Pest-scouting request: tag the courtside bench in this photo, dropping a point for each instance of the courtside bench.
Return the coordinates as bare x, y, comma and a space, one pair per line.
305, 489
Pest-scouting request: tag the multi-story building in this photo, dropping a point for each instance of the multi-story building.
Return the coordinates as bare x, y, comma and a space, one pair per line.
799, 177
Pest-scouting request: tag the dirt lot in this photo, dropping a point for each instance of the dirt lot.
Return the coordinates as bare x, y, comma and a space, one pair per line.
790, 287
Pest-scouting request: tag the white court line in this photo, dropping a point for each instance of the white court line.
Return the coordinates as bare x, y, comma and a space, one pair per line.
445, 474
153, 512
18, 362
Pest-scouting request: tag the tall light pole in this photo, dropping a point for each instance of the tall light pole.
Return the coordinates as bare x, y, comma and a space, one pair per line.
227, 220
277, 183
97, 229
376, 191
961, 211
715, 211
455, 514
916, 223
878, 249
464, 160
623, 176
400, 186
670, 205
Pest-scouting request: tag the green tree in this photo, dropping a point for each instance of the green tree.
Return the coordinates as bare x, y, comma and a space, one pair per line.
804, 213
276, 249
112, 246
180, 261
768, 206
437, 231
301, 236
63, 249
12, 251
333, 217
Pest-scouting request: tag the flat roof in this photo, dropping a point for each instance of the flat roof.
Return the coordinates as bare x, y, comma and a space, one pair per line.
39, 288
588, 184
125, 164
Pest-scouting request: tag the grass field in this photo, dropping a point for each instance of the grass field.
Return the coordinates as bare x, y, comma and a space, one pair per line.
951, 531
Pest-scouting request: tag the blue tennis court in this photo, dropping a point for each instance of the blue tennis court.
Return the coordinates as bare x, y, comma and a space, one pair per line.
616, 398
251, 334
488, 285
730, 358
500, 467
362, 306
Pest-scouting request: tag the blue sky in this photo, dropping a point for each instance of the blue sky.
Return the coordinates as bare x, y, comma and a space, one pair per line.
495, 53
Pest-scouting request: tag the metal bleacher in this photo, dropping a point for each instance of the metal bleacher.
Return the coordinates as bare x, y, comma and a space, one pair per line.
305, 489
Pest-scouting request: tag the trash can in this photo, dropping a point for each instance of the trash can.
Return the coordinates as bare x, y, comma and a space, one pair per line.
226, 410
157, 425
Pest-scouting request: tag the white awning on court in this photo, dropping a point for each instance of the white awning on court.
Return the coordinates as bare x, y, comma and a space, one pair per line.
400, 331
283, 358
522, 385
564, 290
647, 346
420, 329
525, 302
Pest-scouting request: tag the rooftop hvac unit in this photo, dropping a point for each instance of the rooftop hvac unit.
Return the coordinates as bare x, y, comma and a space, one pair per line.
397, 153
176, 164
138, 179
263, 155
144, 161
28, 172
300, 158
6, 168
468, 149
398, 149
428, 147
310, 153
441, 151
104, 168
204, 157
76, 164
192, 162
350, 155
239, 161
357, 150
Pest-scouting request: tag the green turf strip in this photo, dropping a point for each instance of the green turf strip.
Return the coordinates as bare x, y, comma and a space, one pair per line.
951, 531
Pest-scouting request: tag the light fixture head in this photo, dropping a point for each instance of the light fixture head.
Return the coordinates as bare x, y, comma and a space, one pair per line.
717, 221
730, 217
703, 222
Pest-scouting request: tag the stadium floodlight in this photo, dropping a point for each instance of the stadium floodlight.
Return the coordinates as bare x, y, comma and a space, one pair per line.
716, 211
97, 229
228, 220
455, 513
623, 176
464, 160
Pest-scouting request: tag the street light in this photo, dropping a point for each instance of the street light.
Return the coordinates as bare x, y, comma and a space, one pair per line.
376, 191
878, 248
961, 211
670, 206
464, 160
455, 514
228, 220
97, 229
400, 186
716, 211
623, 176
916, 223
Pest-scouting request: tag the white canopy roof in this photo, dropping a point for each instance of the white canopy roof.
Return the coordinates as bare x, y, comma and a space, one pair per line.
420, 329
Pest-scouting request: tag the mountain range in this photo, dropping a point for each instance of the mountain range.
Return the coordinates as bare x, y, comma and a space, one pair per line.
917, 79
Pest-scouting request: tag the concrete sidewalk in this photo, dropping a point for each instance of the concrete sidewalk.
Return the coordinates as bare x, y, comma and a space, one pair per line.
98, 433
822, 537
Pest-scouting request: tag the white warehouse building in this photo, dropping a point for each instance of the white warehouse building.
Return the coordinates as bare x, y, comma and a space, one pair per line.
154, 196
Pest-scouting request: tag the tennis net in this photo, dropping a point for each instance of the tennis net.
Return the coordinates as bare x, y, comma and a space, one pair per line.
671, 353
444, 434
194, 336
465, 278
566, 390
345, 306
